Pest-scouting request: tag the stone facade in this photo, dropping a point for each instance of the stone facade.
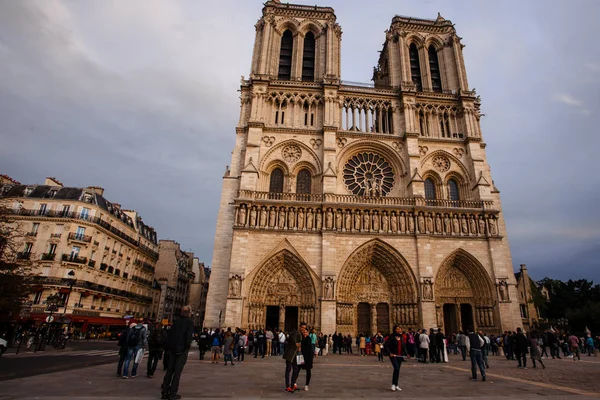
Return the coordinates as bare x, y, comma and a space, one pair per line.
355, 207
529, 297
174, 274
198, 291
99, 257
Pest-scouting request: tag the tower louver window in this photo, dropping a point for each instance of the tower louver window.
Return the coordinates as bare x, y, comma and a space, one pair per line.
434, 68
415, 67
308, 58
285, 56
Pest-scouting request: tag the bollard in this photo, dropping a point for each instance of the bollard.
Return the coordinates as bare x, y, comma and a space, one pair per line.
500, 351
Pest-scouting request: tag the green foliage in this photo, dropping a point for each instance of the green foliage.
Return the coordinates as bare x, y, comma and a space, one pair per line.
576, 300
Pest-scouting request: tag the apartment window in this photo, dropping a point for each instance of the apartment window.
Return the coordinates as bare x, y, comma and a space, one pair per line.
80, 232
38, 297
75, 251
43, 209
28, 247
85, 213
65, 210
52, 249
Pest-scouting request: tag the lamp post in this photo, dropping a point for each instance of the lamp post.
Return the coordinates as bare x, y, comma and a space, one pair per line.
71, 280
52, 304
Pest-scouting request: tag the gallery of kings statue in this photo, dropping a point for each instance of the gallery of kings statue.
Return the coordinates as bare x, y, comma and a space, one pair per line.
356, 207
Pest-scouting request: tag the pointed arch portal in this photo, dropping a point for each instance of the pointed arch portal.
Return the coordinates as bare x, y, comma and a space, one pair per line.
376, 290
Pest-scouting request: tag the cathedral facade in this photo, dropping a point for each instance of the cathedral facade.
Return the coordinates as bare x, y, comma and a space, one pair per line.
355, 207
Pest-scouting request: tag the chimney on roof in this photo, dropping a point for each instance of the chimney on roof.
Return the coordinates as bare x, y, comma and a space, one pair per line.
96, 189
50, 181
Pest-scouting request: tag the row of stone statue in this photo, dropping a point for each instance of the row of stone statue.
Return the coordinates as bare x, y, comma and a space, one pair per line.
484, 316
299, 218
405, 314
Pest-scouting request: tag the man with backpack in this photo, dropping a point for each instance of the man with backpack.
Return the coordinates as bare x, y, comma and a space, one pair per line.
136, 341
216, 343
156, 345
203, 342
122, 349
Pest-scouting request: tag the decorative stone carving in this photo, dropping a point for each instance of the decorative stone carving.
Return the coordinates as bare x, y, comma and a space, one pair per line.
427, 289
493, 227
291, 153
357, 220
235, 286
429, 223
397, 145
348, 220
472, 225
253, 217
447, 225
369, 175
329, 219
300, 219
328, 288
421, 223
319, 220
441, 163
423, 150
481, 225
375, 221
309, 219
263, 217
503, 290
458, 152
291, 218
272, 217
385, 222
439, 316
268, 140
438, 224
242, 215
315, 143
281, 218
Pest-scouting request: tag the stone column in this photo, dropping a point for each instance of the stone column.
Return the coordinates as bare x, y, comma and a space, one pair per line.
281, 317
373, 318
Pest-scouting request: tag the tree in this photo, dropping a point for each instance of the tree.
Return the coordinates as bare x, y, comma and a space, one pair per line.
14, 268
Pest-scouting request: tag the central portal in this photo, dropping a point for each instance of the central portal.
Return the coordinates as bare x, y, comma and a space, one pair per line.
450, 321
291, 319
364, 318
272, 317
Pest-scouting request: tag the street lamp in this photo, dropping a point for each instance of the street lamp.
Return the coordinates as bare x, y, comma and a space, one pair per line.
71, 281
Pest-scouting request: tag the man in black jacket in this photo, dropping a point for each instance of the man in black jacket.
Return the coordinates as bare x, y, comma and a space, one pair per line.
178, 345
475, 345
122, 349
156, 344
260, 343
203, 342
520, 347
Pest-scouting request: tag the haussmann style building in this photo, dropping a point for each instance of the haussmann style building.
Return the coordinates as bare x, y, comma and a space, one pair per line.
355, 207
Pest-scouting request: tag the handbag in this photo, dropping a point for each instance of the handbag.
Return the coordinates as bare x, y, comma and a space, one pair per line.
300, 359
139, 356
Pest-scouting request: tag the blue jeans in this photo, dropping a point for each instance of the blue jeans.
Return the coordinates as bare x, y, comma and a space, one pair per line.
396, 363
131, 352
477, 361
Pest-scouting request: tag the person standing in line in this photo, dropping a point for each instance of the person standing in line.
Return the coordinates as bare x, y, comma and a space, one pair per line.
574, 346
269, 342
341, 343
535, 353
349, 344
322, 343
203, 342
260, 344
282, 338
485, 349
474, 345
439, 345
215, 341
423, 346
241, 344
362, 344
306, 347
251, 341
393, 346
122, 350
520, 343
462, 344
156, 344
379, 341
292, 347
178, 345
313, 339
136, 341
228, 344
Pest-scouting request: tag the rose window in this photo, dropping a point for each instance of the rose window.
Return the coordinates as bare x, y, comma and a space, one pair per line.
441, 163
368, 174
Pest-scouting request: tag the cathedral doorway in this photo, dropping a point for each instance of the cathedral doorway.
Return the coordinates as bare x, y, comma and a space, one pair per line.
272, 317
282, 292
377, 286
291, 319
383, 318
465, 294
450, 318
364, 318
466, 317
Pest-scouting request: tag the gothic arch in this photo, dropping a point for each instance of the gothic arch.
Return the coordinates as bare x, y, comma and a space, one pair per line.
459, 165
273, 159
284, 24
311, 25
415, 38
435, 41
461, 276
389, 265
284, 278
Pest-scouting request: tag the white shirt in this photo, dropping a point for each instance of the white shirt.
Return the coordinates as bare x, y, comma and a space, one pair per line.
423, 341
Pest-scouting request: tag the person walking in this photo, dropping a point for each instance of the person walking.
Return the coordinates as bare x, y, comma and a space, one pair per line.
156, 344
215, 341
122, 350
178, 345
393, 346
136, 341
534, 351
306, 348
228, 344
423, 346
474, 345
241, 344
292, 347
268, 342
574, 346
520, 343
203, 342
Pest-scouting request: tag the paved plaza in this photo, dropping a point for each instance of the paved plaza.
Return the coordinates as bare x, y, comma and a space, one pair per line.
334, 376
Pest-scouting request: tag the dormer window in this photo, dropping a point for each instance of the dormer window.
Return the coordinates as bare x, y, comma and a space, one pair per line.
28, 191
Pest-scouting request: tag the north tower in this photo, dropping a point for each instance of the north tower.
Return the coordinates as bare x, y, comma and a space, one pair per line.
356, 207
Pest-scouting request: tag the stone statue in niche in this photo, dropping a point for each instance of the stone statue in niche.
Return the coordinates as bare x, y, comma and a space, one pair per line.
242, 216
385, 222
366, 221
338, 220
429, 223
472, 225
328, 289
235, 286
309, 219
263, 217
375, 221
394, 222
447, 225
357, 220
421, 223
253, 217
281, 218
427, 290
493, 227
291, 218
329, 219
503, 290
348, 220
455, 225
463, 224
272, 217
411, 222
319, 219
481, 226
438, 224
440, 316
300, 219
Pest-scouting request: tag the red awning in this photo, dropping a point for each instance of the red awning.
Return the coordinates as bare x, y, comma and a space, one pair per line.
79, 318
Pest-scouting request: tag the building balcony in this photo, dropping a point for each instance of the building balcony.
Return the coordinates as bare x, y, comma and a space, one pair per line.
24, 255
91, 263
55, 235
72, 258
48, 256
75, 237
148, 267
31, 234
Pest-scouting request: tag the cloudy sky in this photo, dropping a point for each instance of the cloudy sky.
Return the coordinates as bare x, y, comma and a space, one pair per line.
140, 97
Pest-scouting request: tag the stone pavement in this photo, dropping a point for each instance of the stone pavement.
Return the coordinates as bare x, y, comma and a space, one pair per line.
333, 376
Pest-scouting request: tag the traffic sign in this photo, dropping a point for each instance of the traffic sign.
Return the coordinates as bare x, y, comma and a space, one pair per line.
49, 319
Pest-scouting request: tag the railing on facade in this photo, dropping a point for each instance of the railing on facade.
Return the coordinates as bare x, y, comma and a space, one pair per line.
82, 284
250, 195
86, 217
48, 256
74, 258
148, 267
361, 84
23, 255
80, 238
91, 263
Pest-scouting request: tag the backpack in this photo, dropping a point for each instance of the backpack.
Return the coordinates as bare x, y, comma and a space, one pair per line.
215, 341
134, 337
158, 337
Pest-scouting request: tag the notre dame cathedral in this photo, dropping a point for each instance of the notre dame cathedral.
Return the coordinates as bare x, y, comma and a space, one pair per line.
355, 207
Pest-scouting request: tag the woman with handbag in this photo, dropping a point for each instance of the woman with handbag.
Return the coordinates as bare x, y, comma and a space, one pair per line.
290, 354
228, 347
393, 347
307, 353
